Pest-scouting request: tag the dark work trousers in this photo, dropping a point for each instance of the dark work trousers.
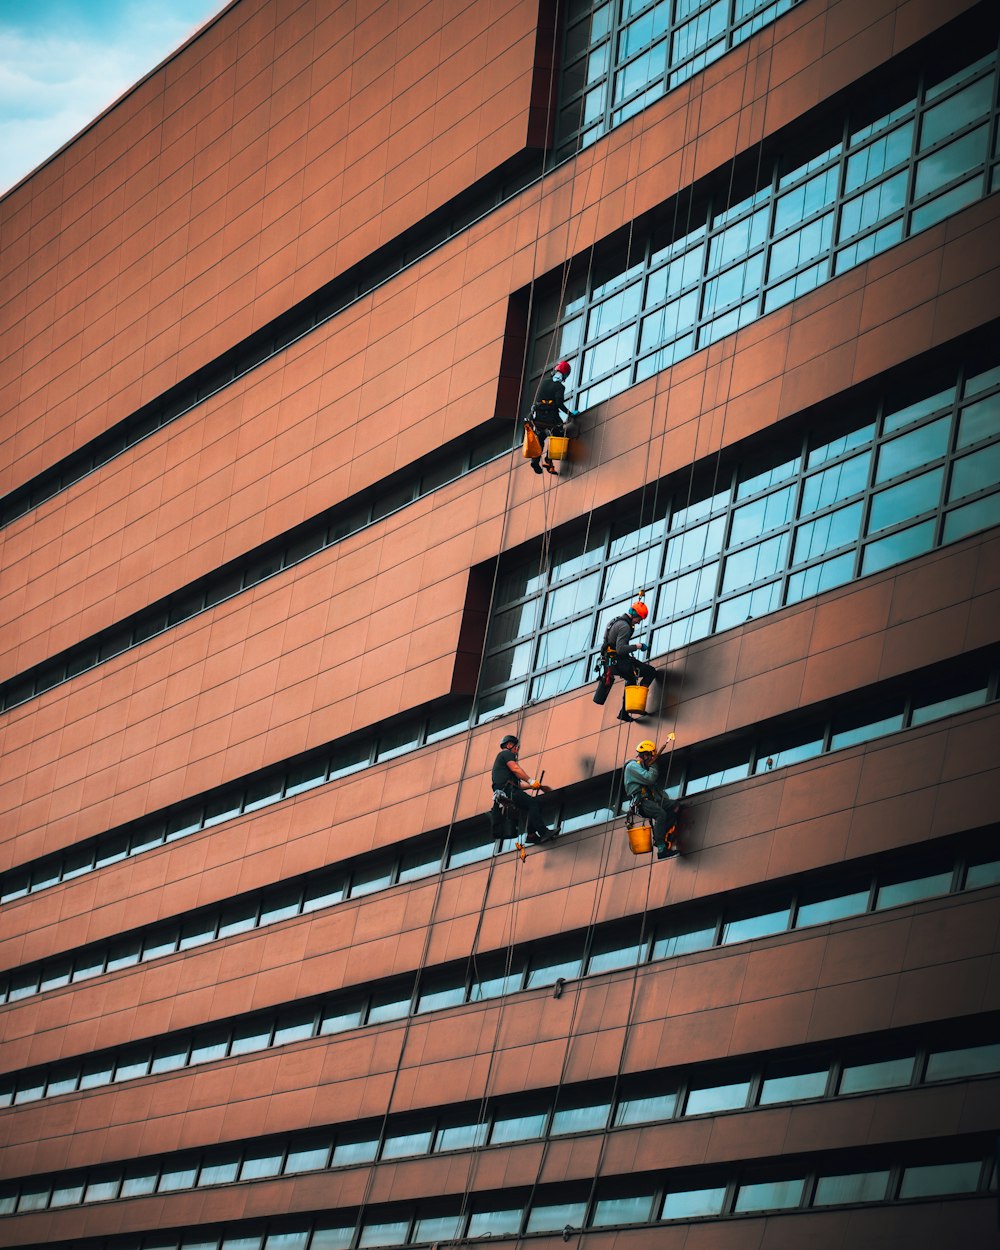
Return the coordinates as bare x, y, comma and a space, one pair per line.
532, 807
634, 671
546, 423
661, 818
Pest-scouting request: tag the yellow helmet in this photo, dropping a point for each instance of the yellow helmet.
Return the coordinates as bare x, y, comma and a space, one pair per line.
645, 747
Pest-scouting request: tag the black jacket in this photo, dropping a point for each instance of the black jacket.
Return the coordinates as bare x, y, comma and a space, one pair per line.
551, 397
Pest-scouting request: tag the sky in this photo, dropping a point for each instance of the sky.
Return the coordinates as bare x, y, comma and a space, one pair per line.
62, 62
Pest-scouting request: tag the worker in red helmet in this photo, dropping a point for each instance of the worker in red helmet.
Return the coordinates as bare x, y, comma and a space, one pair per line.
547, 414
618, 658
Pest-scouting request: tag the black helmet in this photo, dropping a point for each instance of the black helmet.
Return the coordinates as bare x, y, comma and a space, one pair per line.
509, 740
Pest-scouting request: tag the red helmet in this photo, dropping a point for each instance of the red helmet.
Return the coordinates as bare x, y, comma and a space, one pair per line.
562, 367
640, 610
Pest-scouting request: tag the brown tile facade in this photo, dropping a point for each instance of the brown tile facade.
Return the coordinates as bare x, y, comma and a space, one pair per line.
281, 147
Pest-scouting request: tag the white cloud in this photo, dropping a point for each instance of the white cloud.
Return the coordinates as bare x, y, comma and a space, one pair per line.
54, 82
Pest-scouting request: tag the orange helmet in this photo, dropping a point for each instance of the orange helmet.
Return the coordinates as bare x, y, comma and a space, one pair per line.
639, 609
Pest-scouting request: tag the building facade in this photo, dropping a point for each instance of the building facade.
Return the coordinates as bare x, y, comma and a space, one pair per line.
276, 580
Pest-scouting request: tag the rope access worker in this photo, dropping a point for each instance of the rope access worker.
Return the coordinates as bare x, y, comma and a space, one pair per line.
617, 655
550, 403
643, 786
509, 778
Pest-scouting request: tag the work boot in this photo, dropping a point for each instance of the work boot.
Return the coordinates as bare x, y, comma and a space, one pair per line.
536, 467
624, 716
548, 466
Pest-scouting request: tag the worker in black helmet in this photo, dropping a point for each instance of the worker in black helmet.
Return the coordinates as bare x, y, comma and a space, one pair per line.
510, 782
547, 414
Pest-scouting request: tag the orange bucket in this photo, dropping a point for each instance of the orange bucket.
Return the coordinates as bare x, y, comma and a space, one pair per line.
558, 447
640, 839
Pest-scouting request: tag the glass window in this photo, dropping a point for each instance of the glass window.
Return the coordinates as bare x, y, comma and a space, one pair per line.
820, 905
471, 847
390, 1004
95, 1072
306, 776
762, 560
464, 1136
899, 503
923, 883
102, 1184
717, 768
974, 516
789, 748
835, 529
8, 1198
197, 930
950, 162
646, 1108
34, 1195
687, 1204
331, 1236
383, 1232
180, 824
435, 1228
551, 965
584, 1118
62, 1080
769, 1195
338, 1016
280, 904
743, 928
496, 1222
178, 1173
940, 1178
850, 1187
31, 1087
946, 1065
976, 472
703, 1098
863, 724
898, 547
616, 948
251, 1035
398, 739
790, 1081
68, 1191
948, 699
307, 1154
629, 1210
442, 989
169, 1054
210, 1044
555, 1216
984, 870
223, 807
262, 791
936, 210
239, 916
510, 1126
294, 1025
978, 421
680, 937
290, 1239
221, 1166
422, 862
133, 1063
261, 1159
323, 891
859, 1078
909, 451
402, 1145
354, 1149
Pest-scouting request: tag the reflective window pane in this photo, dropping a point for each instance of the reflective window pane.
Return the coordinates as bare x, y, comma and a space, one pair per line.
690, 1203
947, 1065
850, 1187
940, 1178
702, 1099
859, 1078
769, 1195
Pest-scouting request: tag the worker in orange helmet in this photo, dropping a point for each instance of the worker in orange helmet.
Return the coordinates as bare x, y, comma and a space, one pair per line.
546, 414
617, 656
644, 786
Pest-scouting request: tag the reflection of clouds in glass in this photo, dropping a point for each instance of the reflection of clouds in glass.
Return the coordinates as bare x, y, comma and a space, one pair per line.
62, 64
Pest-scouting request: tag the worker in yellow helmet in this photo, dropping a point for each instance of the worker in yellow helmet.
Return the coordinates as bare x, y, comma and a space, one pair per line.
644, 786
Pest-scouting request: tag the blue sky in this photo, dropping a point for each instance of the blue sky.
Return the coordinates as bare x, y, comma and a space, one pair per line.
64, 61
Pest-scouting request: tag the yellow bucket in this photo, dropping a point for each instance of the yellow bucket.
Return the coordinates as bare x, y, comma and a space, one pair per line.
640, 839
558, 447
635, 698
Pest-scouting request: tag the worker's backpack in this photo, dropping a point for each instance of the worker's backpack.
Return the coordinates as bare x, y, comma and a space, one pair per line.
606, 644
